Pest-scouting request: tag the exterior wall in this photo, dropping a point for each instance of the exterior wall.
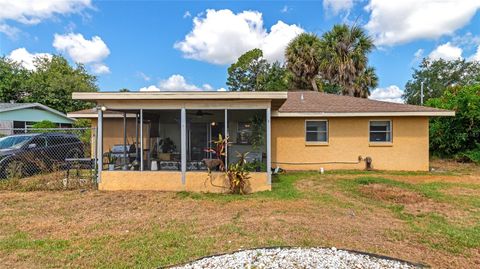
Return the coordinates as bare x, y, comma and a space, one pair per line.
348, 139
172, 181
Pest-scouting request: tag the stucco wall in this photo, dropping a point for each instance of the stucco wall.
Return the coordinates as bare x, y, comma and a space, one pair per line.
348, 139
172, 181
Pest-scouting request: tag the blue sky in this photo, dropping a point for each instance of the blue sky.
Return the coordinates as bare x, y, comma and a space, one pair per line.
175, 45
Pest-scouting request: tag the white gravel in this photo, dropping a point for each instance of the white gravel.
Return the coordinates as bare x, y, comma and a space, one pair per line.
294, 258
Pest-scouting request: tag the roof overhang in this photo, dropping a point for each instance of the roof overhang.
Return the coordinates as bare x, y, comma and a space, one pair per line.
276, 98
363, 114
94, 115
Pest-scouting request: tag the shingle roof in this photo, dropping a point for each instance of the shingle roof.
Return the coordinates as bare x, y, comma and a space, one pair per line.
310, 102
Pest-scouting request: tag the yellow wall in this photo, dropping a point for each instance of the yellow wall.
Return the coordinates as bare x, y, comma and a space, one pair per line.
141, 180
348, 139
172, 181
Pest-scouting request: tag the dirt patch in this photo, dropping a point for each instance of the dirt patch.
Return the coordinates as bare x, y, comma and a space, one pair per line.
462, 191
391, 194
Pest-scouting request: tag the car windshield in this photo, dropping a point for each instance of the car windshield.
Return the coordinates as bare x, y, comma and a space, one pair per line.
14, 141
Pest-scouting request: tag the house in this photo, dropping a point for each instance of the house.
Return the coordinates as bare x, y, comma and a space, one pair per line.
17, 116
166, 134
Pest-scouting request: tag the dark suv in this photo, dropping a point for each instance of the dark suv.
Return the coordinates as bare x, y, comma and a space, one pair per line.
27, 154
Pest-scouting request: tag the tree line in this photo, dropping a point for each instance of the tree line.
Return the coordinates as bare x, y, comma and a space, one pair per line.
51, 83
336, 62
452, 85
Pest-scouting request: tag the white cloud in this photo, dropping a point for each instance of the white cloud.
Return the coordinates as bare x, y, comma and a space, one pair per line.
151, 88
187, 14
80, 49
395, 22
25, 58
446, 51
221, 36
176, 83
100, 68
336, 6
8, 30
476, 56
389, 94
143, 76
285, 9
419, 54
84, 51
34, 11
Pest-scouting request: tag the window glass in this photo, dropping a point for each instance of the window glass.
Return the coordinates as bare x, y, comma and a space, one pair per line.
39, 141
380, 131
316, 131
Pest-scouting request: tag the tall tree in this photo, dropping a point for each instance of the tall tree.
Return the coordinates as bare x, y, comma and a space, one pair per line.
245, 74
54, 81
439, 75
303, 60
252, 72
12, 80
344, 59
364, 82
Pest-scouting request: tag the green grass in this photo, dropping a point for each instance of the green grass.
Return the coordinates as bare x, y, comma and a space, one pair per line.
432, 228
282, 189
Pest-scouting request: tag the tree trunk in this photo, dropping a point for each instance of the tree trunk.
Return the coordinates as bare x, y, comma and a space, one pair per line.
314, 84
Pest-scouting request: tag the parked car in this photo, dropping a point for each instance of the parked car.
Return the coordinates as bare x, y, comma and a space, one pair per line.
27, 154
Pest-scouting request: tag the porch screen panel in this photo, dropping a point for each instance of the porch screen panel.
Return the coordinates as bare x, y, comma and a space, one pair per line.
247, 130
162, 140
203, 128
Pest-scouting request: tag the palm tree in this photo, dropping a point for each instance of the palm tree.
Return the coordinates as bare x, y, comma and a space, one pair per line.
343, 52
364, 82
302, 58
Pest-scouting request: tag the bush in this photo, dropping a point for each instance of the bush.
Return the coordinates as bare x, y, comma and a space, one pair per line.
44, 124
459, 135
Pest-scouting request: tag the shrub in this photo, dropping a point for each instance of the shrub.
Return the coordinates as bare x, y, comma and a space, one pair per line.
459, 135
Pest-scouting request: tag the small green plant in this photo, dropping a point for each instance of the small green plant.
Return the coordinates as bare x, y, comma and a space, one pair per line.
238, 175
112, 159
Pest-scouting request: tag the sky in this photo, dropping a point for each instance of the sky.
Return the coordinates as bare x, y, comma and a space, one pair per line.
188, 45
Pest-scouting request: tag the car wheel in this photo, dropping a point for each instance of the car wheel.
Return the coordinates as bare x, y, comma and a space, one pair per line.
15, 169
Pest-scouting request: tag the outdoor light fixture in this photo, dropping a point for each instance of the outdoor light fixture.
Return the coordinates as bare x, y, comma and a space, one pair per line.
213, 123
102, 108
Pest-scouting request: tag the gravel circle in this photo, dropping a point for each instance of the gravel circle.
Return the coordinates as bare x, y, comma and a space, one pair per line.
296, 258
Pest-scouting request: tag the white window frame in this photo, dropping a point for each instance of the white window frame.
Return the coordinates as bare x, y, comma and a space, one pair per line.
326, 132
389, 131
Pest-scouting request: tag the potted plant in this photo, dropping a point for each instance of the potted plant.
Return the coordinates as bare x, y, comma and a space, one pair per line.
167, 146
112, 160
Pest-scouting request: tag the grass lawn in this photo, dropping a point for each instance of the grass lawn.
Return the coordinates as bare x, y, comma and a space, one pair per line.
431, 218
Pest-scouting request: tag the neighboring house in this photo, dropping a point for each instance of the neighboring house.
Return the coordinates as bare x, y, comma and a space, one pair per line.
166, 134
23, 115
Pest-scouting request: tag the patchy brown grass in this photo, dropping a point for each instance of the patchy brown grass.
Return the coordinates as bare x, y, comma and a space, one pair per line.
94, 229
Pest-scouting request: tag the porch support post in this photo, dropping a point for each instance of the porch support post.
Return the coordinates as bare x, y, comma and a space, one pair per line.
226, 135
141, 139
183, 134
269, 147
99, 144
136, 137
124, 140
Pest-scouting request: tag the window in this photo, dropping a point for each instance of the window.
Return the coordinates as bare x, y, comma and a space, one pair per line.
380, 131
316, 131
244, 133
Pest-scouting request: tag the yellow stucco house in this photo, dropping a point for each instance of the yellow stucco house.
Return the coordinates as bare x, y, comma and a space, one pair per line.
157, 140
